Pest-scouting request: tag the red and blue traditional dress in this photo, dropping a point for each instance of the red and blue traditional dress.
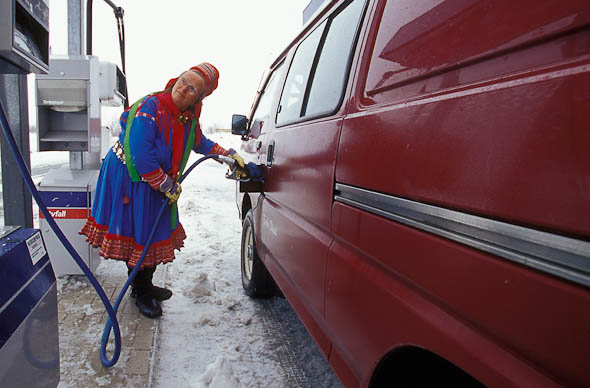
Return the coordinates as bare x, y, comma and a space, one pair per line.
124, 211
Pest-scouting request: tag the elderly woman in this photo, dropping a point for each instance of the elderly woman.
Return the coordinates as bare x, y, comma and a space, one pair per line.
140, 170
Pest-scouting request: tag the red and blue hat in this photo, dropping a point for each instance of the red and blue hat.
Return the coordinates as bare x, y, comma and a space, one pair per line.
209, 73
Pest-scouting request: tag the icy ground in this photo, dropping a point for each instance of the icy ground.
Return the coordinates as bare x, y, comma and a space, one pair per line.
212, 335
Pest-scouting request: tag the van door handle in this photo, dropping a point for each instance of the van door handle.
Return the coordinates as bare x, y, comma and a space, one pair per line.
270, 154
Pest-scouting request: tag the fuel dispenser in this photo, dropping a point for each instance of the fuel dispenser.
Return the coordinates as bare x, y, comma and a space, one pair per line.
69, 99
29, 345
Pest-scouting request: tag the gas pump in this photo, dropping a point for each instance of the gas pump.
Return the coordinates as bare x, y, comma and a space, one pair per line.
29, 345
68, 104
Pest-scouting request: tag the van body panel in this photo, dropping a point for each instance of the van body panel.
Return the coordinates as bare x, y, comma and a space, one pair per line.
308, 316
297, 250
413, 320
298, 198
502, 153
473, 114
343, 369
431, 37
416, 274
498, 136
302, 171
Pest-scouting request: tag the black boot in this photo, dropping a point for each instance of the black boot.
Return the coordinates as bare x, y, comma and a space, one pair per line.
157, 292
147, 304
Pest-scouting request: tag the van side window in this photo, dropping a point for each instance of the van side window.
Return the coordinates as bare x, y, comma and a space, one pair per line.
319, 71
292, 98
331, 72
262, 112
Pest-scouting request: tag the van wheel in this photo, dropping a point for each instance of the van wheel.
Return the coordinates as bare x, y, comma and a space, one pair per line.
256, 280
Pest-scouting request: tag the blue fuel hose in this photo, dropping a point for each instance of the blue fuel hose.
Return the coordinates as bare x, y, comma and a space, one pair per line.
112, 322
107, 329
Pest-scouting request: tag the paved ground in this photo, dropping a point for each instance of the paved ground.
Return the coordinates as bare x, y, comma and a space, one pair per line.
82, 318
81, 321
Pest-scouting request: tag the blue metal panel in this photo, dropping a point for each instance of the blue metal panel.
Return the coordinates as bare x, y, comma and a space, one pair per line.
15, 261
15, 312
30, 357
22, 284
29, 344
65, 198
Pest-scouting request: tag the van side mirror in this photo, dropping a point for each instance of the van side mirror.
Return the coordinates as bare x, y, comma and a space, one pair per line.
239, 124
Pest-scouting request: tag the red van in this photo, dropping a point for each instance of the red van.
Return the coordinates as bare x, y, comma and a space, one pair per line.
426, 201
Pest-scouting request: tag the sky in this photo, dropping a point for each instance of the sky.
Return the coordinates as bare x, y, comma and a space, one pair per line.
164, 38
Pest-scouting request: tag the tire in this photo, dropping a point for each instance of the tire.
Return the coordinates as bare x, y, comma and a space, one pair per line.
256, 280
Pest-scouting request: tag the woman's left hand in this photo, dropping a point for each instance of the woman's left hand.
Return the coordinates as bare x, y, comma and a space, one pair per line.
234, 155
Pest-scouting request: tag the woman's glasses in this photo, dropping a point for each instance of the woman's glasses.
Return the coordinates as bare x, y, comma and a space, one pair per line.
191, 89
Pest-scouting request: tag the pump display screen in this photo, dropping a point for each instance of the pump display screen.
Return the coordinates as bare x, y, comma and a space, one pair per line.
30, 14
23, 41
24, 36
38, 8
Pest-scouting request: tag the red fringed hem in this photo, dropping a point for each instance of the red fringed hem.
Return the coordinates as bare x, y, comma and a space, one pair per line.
126, 249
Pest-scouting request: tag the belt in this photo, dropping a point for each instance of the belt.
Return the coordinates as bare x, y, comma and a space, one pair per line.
119, 151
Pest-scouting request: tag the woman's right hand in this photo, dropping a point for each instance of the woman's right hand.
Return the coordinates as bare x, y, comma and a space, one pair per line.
174, 193
171, 189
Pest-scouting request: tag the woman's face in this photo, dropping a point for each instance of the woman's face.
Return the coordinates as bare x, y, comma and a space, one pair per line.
187, 90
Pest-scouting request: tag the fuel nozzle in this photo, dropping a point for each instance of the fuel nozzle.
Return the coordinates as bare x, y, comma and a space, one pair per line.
234, 171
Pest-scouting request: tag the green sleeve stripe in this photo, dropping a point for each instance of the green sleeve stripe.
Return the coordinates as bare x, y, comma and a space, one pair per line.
133, 174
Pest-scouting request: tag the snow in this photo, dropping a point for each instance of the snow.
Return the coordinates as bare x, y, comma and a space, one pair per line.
209, 317
211, 334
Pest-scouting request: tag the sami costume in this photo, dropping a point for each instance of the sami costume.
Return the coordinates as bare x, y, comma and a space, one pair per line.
157, 144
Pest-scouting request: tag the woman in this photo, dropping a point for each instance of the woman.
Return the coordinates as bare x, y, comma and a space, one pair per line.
140, 170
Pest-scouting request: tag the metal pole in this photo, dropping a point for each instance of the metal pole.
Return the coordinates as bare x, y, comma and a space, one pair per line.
75, 28
18, 205
76, 47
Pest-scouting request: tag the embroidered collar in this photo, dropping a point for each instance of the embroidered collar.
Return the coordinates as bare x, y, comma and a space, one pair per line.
181, 117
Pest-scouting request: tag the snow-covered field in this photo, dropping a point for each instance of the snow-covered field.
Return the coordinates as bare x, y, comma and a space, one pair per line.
211, 334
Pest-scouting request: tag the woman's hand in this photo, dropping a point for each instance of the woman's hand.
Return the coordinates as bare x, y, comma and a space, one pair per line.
174, 193
171, 189
234, 155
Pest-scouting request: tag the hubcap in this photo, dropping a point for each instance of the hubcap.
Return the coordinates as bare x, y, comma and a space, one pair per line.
249, 253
